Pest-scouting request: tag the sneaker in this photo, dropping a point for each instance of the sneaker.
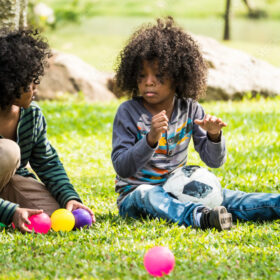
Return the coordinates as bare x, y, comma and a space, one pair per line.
218, 218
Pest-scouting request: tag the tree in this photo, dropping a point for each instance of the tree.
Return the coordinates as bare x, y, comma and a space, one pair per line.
13, 13
253, 12
227, 20
249, 6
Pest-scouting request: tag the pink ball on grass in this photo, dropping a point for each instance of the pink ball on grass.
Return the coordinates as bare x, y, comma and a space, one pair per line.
40, 223
159, 261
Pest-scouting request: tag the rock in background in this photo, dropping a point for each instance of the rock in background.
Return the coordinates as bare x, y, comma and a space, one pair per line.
232, 74
69, 74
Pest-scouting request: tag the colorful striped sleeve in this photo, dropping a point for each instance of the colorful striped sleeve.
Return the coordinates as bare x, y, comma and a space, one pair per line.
45, 162
7, 210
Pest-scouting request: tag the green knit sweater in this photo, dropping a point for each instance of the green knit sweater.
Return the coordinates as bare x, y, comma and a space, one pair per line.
42, 157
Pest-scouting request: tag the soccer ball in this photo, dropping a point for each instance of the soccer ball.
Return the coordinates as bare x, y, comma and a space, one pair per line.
194, 184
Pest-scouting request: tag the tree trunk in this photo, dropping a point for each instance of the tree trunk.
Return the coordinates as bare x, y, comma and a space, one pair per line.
13, 14
23, 13
249, 5
227, 20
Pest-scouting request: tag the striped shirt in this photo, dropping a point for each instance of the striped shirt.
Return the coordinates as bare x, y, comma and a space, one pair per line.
42, 157
136, 163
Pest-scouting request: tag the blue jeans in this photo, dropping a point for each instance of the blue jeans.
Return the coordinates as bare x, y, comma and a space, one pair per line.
155, 202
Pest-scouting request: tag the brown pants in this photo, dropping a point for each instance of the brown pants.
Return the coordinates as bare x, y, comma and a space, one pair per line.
25, 191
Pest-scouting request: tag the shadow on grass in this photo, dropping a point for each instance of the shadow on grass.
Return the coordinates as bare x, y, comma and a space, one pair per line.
116, 219
144, 221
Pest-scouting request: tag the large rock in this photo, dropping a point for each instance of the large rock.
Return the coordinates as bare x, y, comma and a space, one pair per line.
233, 73
68, 73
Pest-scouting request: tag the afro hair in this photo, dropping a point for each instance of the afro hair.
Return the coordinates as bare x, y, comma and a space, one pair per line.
23, 57
178, 56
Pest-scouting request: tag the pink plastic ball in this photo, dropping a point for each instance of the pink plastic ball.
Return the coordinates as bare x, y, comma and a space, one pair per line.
159, 261
40, 223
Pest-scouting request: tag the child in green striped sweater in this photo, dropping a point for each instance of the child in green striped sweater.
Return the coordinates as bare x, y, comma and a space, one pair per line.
23, 138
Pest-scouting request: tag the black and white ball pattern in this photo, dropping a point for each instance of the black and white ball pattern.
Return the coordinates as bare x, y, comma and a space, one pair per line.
195, 184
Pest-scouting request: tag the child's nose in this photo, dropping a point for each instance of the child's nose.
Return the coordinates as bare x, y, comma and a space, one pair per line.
150, 80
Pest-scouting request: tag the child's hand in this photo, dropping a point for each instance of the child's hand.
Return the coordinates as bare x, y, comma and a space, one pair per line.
21, 216
72, 205
212, 125
158, 126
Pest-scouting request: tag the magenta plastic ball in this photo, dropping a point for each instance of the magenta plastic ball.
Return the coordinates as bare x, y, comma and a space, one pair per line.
82, 218
159, 261
40, 223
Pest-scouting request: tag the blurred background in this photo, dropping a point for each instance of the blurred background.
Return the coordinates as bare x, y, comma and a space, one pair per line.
96, 30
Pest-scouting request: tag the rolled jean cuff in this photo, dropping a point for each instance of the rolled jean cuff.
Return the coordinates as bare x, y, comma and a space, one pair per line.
197, 215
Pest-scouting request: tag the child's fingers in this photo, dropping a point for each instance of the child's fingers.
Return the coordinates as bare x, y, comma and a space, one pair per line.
199, 122
213, 119
30, 212
88, 209
93, 218
69, 207
161, 125
26, 220
24, 228
162, 113
160, 118
23, 218
21, 225
34, 212
206, 118
222, 123
210, 120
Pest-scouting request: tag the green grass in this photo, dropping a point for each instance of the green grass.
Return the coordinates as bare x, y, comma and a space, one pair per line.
114, 248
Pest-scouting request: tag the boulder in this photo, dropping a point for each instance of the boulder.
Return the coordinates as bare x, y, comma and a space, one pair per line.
233, 73
68, 73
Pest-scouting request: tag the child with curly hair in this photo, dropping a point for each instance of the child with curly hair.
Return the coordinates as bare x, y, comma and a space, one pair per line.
162, 68
23, 139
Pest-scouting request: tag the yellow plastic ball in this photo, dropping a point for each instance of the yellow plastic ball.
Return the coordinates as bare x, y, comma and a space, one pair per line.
62, 220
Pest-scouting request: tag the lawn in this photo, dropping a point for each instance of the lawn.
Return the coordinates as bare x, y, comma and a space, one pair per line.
114, 248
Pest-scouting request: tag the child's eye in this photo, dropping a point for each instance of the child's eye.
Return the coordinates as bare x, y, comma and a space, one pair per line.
159, 76
141, 76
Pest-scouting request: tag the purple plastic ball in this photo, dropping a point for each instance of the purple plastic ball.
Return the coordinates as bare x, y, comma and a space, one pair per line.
82, 218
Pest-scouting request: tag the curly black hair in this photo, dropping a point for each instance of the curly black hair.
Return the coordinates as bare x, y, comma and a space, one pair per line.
177, 53
23, 57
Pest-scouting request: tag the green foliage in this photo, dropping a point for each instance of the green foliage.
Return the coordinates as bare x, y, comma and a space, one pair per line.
114, 248
41, 22
70, 11
147, 8
132, 8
